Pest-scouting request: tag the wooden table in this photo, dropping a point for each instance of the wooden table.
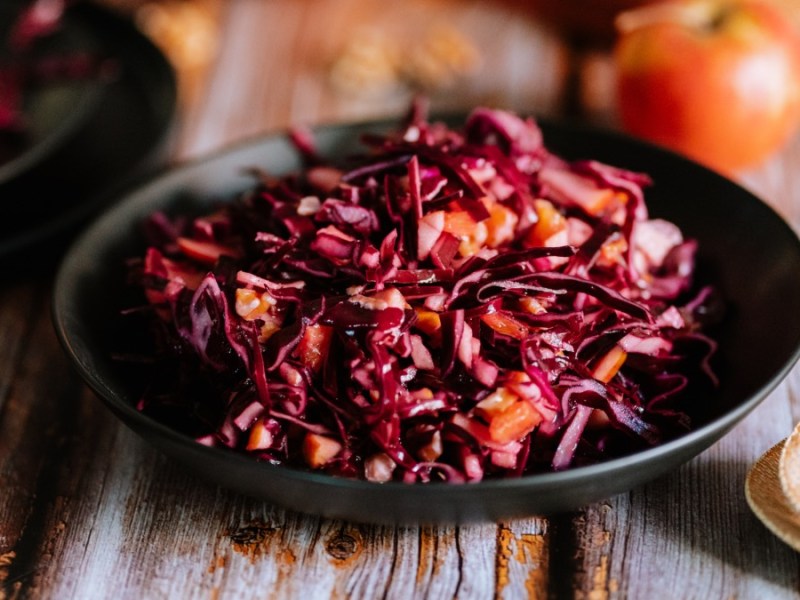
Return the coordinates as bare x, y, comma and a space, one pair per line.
88, 510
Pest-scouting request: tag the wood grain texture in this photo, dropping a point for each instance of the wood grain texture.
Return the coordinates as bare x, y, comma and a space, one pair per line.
690, 534
88, 510
265, 82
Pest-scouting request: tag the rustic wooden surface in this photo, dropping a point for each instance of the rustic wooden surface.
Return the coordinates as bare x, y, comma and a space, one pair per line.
88, 510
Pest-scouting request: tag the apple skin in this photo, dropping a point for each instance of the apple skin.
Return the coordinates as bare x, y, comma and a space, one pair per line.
716, 80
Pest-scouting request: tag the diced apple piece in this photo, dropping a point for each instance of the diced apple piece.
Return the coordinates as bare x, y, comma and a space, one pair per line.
429, 229
260, 437
433, 449
379, 468
319, 450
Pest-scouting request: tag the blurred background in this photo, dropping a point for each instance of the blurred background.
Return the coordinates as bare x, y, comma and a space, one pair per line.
324, 60
248, 67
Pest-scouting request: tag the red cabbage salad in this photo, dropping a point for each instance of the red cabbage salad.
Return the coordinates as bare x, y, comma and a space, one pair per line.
452, 305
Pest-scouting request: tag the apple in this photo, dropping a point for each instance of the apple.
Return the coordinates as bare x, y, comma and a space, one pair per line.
717, 80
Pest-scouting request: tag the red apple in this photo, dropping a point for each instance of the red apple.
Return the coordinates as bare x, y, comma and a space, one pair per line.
718, 80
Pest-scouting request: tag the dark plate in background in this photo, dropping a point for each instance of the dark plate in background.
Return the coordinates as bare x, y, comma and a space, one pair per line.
86, 137
746, 250
54, 107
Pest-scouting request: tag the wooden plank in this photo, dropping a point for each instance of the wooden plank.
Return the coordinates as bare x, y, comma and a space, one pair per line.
38, 419
522, 559
20, 302
122, 508
167, 535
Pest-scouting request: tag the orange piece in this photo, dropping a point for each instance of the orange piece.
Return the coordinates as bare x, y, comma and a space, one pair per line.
514, 423
260, 437
506, 324
318, 450
550, 223
495, 403
459, 223
314, 345
531, 305
473, 235
610, 364
598, 200
428, 321
500, 225
432, 450
251, 304
205, 252
271, 325
613, 251
518, 377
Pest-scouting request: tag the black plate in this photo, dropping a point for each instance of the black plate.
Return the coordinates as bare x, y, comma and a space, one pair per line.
55, 110
745, 249
86, 137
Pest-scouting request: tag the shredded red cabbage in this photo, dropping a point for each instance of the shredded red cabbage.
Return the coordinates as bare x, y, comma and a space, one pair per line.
455, 305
